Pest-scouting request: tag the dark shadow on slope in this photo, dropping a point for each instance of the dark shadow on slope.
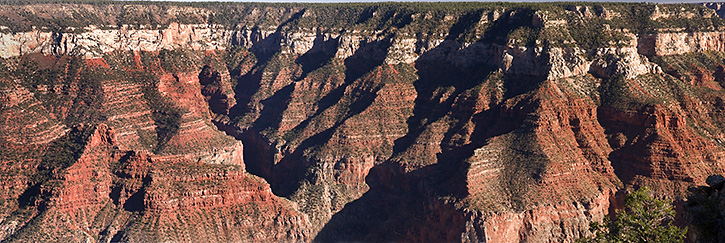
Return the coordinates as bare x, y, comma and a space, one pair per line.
464, 25
366, 15
59, 155
395, 209
394, 195
134, 203
396, 17
364, 60
624, 119
286, 175
436, 71
115, 193
271, 115
400, 205
30, 196
249, 83
382, 17
518, 84
126, 182
212, 90
118, 237
628, 141
267, 47
452, 161
498, 32
368, 218
292, 169
321, 53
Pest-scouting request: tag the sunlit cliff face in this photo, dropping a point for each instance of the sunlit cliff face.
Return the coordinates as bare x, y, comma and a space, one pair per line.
354, 122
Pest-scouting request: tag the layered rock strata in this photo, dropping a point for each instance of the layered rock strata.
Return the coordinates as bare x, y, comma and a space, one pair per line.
497, 124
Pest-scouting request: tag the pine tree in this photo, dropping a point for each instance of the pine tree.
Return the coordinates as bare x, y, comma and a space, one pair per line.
643, 219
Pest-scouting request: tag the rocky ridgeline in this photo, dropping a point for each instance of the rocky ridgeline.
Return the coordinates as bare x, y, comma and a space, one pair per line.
84, 195
480, 122
90, 200
553, 62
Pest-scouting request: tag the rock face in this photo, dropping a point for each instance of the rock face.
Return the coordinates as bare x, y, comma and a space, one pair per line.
663, 44
253, 122
27, 121
704, 211
718, 7
96, 197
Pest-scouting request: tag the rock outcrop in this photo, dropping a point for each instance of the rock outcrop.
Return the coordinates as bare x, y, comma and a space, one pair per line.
704, 211
94, 199
665, 44
718, 7
26, 120
392, 122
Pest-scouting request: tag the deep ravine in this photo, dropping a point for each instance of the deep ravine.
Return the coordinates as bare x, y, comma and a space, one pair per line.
496, 122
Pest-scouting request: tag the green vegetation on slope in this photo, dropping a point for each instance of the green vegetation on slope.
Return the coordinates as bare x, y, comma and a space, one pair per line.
643, 219
589, 25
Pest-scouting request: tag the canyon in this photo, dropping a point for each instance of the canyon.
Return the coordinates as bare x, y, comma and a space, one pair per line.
432, 122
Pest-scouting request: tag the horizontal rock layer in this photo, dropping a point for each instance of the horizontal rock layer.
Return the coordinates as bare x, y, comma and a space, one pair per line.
400, 123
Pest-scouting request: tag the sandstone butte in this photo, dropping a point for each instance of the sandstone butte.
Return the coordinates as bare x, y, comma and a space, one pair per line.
422, 122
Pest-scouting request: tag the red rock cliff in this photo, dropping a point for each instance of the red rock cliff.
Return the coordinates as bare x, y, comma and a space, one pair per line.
401, 123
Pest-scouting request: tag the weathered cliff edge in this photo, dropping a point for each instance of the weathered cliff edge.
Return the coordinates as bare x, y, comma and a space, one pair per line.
562, 62
487, 126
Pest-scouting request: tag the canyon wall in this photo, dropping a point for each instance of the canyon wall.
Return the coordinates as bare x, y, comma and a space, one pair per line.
381, 122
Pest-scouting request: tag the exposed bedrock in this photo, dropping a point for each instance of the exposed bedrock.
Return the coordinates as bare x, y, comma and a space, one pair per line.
363, 123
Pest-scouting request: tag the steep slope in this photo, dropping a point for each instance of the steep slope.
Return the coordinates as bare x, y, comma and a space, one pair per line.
381, 122
160, 163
